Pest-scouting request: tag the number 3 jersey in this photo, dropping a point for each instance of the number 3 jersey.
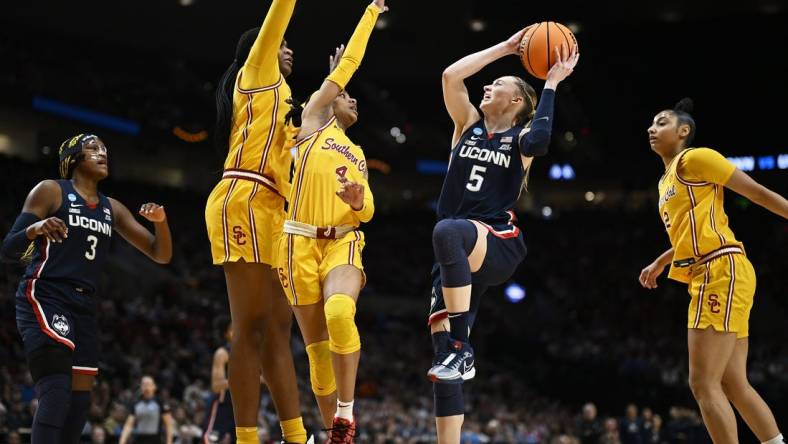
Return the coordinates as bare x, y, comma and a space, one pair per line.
320, 159
485, 176
80, 258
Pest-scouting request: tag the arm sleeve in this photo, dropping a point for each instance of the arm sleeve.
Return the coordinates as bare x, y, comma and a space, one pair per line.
355, 48
262, 64
366, 212
16, 242
536, 141
705, 165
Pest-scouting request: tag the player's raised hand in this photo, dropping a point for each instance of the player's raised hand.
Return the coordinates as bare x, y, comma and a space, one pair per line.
381, 4
513, 43
351, 193
153, 212
52, 227
565, 63
648, 276
333, 60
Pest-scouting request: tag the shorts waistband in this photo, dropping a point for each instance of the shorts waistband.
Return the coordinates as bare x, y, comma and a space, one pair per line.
724, 251
252, 176
302, 229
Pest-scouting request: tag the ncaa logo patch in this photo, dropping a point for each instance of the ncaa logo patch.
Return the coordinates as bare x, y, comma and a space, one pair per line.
72, 197
478, 131
60, 324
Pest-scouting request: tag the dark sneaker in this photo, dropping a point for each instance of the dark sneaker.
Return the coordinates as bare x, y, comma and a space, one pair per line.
341, 431
454, 365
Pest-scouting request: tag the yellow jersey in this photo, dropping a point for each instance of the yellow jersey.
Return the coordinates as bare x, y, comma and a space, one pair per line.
320, 158
258, 139
691, 207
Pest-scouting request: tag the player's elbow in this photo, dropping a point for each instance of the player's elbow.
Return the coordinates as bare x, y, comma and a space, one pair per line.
537, 142
449, 75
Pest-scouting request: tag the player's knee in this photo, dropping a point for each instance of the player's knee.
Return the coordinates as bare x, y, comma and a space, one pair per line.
54, 398
448, 400
453, 240
735, 387
343, 336
702, 387
321, 371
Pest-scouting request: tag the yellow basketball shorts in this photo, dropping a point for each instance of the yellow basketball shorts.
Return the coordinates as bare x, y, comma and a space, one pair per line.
722, 291
304, 263
244, 221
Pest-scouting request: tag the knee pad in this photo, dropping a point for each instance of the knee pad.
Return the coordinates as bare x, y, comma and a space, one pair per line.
448, 400
340, 319
321, 371
453, 240
54, 399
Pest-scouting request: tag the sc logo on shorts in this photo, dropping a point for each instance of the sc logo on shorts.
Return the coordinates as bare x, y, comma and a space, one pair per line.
714, 303
239, 235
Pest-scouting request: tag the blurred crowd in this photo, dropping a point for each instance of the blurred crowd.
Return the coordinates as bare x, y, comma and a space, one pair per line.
584, 332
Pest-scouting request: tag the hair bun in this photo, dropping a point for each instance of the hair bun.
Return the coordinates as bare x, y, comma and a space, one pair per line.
686, 105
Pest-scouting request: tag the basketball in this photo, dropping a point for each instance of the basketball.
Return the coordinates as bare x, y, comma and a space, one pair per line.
538, 47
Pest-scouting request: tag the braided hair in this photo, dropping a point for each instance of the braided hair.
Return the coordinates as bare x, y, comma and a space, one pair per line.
682, 111
224, 92
70, 153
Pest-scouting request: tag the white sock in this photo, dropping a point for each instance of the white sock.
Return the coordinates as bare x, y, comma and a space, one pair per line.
776, 440
345, 410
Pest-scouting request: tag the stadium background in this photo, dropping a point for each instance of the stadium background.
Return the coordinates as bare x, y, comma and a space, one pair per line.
142, 75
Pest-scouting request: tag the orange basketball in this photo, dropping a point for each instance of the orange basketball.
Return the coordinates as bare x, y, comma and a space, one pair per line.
538, 46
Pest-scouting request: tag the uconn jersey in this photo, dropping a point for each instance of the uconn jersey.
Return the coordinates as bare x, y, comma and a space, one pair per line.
55, 301
81, 256
484, 178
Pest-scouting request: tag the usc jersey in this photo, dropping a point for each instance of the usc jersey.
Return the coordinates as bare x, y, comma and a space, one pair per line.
258, 136
320, 158
691, 207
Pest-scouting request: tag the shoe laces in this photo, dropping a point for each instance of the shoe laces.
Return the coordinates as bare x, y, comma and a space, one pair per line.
339, 433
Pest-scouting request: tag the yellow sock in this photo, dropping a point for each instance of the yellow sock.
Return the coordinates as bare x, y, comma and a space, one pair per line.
293, 430
246, 435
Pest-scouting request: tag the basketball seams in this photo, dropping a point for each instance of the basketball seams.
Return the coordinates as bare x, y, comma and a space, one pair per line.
548, 49
560, 27
528, 50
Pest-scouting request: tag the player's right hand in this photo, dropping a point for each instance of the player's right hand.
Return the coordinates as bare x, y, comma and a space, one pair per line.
648, 276
513, 43
381, 4
53, 228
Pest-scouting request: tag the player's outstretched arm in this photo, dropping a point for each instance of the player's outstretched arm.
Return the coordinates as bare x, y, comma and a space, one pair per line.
156, 246
316, 111
536, 141
648, 276
43, 200
262, 65
455, 94
745, 185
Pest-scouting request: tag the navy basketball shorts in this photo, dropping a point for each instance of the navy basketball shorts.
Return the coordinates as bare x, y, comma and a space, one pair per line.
219, 421
51, 313
503, 256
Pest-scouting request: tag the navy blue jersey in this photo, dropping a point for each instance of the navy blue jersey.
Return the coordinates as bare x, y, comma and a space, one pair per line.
485, 176
81, 257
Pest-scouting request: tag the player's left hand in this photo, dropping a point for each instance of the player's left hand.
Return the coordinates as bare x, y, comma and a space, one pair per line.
333, 60
648, 276
565, 64
351, 193
153, 212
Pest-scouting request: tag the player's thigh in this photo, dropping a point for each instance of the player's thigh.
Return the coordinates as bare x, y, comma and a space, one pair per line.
479, 252
710, 352
342, 269
248, 285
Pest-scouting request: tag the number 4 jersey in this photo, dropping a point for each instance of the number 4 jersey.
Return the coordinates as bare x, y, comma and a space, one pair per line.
485, 176
79, 259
